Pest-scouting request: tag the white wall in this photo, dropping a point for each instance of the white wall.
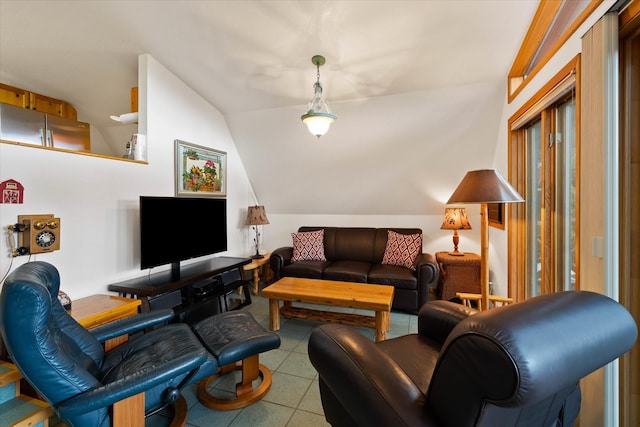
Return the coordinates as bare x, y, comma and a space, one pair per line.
388, 161
97, 198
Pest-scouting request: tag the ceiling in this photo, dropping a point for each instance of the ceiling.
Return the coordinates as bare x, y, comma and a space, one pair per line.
248, 57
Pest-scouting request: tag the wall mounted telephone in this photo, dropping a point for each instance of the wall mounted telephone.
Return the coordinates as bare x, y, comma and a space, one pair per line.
36, 234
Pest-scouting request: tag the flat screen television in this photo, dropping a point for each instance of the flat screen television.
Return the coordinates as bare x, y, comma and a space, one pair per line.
174, 229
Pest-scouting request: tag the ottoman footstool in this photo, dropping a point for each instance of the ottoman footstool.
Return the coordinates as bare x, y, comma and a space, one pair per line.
236, 340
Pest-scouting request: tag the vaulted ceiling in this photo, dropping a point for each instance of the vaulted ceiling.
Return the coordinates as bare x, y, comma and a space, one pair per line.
418, 86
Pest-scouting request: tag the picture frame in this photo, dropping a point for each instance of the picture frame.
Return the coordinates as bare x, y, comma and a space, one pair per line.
200, 171
496, 215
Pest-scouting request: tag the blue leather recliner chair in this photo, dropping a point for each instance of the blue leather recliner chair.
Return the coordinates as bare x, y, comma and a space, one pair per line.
68, 367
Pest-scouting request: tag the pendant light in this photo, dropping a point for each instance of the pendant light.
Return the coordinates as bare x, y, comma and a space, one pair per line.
319, 117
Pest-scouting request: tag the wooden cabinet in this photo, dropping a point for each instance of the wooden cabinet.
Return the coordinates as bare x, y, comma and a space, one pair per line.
35, 101
45, 104
14, 96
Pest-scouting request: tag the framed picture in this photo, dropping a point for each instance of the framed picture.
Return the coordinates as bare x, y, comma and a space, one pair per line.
200, 171
496, 214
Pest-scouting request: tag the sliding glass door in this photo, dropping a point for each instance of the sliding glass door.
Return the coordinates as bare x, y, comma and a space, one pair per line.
550, 186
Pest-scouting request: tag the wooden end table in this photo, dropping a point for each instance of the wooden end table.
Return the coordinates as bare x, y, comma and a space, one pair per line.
254, 266
97, 310
377, 298
458, 273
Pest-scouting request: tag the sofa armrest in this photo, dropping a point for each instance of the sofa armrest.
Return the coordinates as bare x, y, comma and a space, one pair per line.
279, 258
427, 269
356, 374
427, 272
436, 319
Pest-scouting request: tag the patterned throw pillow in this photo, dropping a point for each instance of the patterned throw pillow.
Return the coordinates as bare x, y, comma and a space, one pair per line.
308, 246
402, 249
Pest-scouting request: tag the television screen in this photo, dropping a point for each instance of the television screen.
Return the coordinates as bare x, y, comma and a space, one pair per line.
174, 229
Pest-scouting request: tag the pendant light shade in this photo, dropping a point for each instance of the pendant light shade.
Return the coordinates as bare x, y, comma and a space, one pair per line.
318, 117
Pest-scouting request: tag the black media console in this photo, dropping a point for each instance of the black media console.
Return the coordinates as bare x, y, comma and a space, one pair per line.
199, 291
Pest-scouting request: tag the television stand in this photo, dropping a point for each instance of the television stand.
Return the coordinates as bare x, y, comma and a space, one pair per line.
223, 273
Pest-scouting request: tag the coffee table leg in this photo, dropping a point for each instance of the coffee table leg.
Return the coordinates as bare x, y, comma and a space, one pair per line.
382, 325
274, 314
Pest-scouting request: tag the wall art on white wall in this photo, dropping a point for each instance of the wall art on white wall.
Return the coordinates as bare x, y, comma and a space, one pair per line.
200, 171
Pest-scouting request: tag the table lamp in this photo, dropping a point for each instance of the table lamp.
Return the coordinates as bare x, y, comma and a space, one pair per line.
256, 216
484, 186
455, 219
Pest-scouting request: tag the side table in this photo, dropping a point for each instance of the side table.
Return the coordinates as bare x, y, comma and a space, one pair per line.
458, 273
96, 310
254, 266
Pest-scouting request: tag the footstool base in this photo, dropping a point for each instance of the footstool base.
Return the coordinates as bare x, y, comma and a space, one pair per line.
236, 340
245, 393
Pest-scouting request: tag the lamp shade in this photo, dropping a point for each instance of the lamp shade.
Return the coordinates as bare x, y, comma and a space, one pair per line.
318, 123
484, 186
256, 215
455, 219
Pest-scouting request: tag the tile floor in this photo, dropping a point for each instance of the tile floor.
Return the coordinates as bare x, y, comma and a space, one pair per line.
294, 397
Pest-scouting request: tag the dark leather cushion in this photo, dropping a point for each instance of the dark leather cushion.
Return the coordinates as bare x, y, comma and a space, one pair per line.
159, 346
418, 363
395, 275
167, 343
356, 244
366, 382
234, 335
437, 319
306, 269
347, 271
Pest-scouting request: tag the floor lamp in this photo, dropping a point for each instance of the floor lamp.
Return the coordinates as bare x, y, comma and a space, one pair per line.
484, 186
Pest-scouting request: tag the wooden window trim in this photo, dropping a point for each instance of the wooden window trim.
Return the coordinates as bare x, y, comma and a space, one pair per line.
538, 30
629, 19
516, 234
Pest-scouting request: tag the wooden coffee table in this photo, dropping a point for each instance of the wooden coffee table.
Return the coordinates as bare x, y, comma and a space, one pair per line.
377, 298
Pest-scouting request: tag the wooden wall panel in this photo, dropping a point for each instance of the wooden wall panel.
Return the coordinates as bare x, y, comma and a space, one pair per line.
592, 200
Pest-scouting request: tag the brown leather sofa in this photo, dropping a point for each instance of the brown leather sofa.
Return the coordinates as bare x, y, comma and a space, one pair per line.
518, 365
355, 254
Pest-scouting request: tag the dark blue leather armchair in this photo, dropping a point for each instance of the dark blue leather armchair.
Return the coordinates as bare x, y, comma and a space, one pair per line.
67, 365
